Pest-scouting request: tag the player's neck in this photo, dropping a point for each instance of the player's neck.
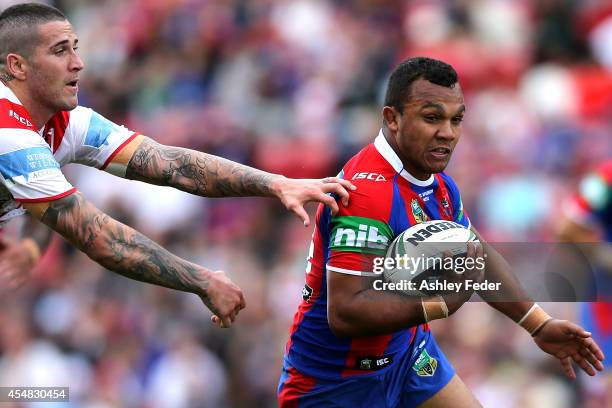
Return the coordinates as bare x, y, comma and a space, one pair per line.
414, 172
39, 114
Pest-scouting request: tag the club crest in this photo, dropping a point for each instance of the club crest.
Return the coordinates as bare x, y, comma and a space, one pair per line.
425, 365
417, 211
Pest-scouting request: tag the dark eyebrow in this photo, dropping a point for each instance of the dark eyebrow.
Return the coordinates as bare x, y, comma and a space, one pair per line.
429, 104
439, 107
461, 110
63, 42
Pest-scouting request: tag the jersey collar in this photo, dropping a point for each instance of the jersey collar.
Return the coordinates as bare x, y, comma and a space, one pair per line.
387, 152
8, 93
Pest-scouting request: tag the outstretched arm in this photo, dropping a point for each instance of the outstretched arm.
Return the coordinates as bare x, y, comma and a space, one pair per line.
123, 250
562, 339
212, 176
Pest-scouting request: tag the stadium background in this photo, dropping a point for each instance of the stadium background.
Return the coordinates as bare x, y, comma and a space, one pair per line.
295, 87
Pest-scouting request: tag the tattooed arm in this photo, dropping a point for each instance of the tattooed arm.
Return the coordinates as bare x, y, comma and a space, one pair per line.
123, 250
211, 176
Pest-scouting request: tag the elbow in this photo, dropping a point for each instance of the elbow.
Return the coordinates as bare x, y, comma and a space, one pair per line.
341, 323
339, 328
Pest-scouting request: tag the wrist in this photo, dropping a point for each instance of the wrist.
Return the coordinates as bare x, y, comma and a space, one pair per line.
434, 308
200, 282
534, 320
32, 249
539, 329
276, 185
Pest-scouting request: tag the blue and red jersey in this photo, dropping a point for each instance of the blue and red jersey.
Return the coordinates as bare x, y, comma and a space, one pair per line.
387, 201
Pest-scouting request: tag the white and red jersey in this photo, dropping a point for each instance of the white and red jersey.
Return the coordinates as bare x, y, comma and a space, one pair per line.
31, 159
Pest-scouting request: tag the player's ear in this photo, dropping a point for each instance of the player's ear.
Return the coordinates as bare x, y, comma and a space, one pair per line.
16, 66
390, 116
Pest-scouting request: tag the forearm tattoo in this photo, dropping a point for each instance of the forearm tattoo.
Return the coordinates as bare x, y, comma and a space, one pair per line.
120, 248
196, 172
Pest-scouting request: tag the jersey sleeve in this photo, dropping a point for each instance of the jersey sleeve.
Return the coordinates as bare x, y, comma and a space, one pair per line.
460, 215
360, 233
28, 169
97, 140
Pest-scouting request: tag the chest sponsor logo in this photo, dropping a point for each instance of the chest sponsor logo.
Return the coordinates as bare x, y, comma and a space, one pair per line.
365, 236
360, 234
425, 365
417, 211
369, 176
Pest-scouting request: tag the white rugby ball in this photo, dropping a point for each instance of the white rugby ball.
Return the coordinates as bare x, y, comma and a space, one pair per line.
417, 255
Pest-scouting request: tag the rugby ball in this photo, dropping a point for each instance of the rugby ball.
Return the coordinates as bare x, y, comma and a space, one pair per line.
415, 259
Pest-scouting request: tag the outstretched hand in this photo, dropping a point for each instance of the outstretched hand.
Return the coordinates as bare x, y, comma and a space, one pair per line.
569, 342
16, 263
223, 297
295, 193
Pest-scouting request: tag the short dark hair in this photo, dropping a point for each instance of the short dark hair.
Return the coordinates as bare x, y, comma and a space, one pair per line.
18, 28
408, 71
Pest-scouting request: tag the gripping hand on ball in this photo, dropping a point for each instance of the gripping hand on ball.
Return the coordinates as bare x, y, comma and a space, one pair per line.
474, 273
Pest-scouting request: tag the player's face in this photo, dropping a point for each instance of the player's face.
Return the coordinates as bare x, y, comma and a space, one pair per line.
53, 80
428, 129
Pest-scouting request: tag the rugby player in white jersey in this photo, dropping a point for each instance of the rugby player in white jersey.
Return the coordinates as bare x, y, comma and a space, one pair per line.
42, 128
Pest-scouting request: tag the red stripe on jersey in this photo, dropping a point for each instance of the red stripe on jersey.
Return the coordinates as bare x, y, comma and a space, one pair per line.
375, 346
117, 150
314, 278
294, 387
14, 116
46, 199
55, 129
445, 204
353, 261
361, 203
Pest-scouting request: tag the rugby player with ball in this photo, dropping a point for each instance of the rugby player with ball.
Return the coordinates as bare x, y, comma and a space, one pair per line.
353, 346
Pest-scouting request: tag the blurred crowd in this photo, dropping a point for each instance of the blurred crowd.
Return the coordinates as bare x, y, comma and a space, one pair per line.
296, 87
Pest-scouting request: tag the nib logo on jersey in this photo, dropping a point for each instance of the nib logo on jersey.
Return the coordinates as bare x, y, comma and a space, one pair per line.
360, 234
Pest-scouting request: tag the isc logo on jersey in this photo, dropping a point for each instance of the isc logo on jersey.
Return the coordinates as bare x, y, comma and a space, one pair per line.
21, 120
369, 176
359, 234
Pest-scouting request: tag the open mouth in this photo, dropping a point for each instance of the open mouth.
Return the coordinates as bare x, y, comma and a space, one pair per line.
441, 152
73, 83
